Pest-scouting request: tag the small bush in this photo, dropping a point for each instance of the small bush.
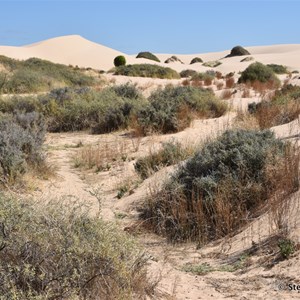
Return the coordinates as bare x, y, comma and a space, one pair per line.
258, 72
286, 248
148, 55
223, 184
173, 59
212, 64
170, 154
196, 60
278, 69
283, 108
238, 51
57, 251
187, 73
21, 140
230, 82
173, 108
147, 70
120, 61
249, 58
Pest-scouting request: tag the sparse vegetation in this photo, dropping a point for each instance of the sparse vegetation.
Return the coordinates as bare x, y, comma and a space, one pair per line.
147, 70
283, 107
225, 183
57, 251
148, 55
173, 59
172, 109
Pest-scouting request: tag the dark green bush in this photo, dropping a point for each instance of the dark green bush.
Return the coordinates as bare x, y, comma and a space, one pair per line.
238, 51
196, 60
258, 72
172, 109
148, 55
120, 61
225, 183
278, 69
55, 250
147, 70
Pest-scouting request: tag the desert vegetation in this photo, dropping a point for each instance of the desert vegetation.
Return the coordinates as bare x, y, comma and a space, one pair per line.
147, 70
259, 73
196, 60
148, 55
37, 75
282, 108
238, 51
212, 64
56, 251
226, 183
120, 61
173, 108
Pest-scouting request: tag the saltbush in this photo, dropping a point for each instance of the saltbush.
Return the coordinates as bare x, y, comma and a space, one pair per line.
21, 140
55, 250
147, 70
172, 109
227, 181
238, 51
278, 69
187, 73
148, 55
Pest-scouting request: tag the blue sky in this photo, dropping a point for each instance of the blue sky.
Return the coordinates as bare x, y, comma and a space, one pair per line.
169, 26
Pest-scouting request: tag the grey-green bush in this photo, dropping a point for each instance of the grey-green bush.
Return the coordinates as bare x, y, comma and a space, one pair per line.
172, 109
148, 55
223, 184
55, 250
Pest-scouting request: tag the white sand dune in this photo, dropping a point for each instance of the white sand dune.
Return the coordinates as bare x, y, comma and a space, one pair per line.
76, 50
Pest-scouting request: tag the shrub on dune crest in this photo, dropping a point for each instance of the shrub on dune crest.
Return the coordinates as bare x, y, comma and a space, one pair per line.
148, 55
120, 61
147, 70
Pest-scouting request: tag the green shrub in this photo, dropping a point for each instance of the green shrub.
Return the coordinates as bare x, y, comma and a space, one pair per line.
57, 251
172, 109
173, 59
278, 69
147, 70
258, 72
37, 75
148, 55
196, 60
170, 154
286, 248
226, 182
120, 61
187, 73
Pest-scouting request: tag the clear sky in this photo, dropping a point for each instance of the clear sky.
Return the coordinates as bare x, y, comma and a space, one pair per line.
161, 26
